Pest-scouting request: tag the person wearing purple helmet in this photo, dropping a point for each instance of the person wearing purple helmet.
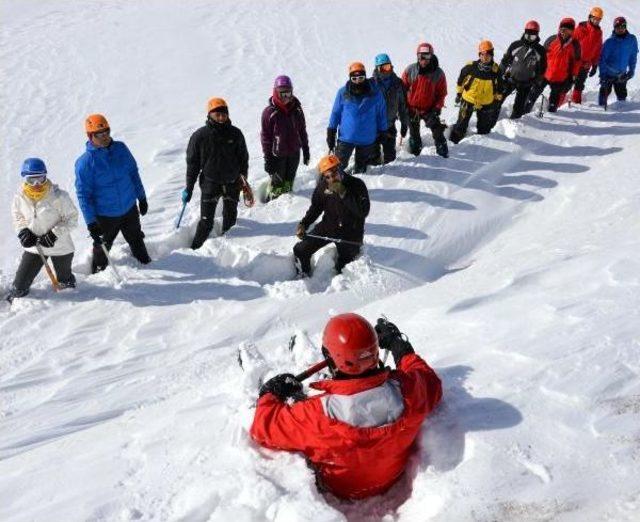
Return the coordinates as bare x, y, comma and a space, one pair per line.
283, 136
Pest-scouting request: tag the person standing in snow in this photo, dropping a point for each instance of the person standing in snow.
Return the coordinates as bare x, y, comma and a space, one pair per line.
522, 66
44, 215
343, 201
479, 89
217, 156
359, 433
358, 119
393, 91
617, 61
589, 35
426, 86
283, 135
563, 65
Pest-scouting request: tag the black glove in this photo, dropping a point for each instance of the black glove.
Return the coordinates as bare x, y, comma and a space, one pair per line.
390, 338
594, 69
403, 129
95, 231
282, 386
331, 139
270, 164
458, 99
306, 157
48, 240
27, 238
143, 206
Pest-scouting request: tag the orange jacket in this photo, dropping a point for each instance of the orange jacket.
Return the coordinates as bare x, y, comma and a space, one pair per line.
589, 37
351, 461
563, 59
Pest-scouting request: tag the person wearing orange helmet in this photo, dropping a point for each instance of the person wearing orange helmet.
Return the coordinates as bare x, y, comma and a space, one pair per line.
522, 66
589, 35
358, 120
479, 89
358, 434
343, 202
107, 185
217, 157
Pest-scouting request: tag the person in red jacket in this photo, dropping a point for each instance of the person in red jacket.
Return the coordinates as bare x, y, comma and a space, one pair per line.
426, 87
563, 66
359, 432
589, 35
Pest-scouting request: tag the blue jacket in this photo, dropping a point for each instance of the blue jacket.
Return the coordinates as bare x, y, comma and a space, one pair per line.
107, 181
619, 53
360, 118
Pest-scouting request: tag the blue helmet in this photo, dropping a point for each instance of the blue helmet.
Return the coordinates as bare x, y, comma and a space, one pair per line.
382, 58
33, 167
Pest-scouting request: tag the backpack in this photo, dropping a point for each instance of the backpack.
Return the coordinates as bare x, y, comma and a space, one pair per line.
525, 64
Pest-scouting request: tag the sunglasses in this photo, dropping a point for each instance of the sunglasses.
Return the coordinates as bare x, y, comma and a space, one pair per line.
102, 133
358, 78
331, 173
35, 181
620, 26
387, 67
530, 36
424, 56
285, 95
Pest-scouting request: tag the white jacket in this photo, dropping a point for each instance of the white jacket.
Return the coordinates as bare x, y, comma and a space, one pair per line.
55, 211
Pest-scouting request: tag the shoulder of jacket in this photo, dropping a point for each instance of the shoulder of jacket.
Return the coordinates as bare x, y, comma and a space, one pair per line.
495, 67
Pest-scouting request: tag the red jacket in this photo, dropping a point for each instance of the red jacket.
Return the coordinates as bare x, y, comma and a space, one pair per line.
425, 92
352, 461
563, 59
590, 38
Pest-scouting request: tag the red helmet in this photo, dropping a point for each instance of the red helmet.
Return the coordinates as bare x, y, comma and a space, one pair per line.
532, 25
424, 47
352, 343
567, 22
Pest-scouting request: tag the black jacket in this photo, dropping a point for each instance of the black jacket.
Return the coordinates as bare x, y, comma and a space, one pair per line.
217, 154
540, 54
343, 217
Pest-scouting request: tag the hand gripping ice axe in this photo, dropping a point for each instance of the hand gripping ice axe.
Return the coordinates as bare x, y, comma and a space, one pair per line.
247, 193
52, 276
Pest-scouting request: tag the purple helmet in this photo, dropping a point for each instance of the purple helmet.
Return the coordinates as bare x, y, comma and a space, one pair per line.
282, 81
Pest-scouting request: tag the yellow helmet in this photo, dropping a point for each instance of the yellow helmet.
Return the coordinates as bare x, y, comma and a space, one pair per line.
597, 12
327, 163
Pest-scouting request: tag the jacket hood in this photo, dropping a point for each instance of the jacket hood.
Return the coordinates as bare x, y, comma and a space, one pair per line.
351, 386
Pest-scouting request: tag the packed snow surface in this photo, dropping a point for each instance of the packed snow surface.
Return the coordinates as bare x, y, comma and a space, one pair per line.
513, 267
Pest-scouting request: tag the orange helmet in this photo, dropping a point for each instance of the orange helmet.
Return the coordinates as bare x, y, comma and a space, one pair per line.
328, 162
95, 123
597, 12
216, 103
352, 343
356, 67
485, 46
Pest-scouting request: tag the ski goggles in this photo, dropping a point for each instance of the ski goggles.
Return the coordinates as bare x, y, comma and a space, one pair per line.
358, 78
530, 37
385, 68
35, 181
424, 56
622, 25
102, 133
285, 95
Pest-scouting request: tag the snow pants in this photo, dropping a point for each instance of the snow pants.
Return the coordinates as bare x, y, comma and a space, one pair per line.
432, 122
487, 117
388, 145
608, 84
557, 95
304, 250
30, 266
365, 155
519, 104
578, 86
129, 225
282, 179
211, 193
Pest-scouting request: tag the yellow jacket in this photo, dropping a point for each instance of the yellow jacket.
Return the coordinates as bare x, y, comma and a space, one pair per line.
480, 84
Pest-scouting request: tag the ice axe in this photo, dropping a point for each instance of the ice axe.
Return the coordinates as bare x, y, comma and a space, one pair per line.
333, 239
179, 220
52, 276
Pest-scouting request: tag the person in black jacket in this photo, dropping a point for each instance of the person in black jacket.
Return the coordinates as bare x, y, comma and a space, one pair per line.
217, 154
522, 66
344, 202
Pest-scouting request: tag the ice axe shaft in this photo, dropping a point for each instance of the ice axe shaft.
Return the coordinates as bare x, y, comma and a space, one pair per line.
110, 262
312, 370
179, 220
334, 239
52, 276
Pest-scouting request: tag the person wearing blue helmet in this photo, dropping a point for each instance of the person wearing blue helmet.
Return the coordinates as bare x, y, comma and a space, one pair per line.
617, 61
394, 95
43, 216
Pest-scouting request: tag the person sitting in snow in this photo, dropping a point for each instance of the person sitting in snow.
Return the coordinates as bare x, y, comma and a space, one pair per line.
344, 202
359, 432
283, 135
43, 215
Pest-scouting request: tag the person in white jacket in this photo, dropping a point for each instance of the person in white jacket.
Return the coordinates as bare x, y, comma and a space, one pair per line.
43, 214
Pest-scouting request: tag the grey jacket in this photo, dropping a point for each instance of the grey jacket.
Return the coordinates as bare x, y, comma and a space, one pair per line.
395, 97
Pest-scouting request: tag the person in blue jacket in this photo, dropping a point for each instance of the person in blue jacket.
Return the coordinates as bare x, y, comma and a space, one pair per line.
359, 117
617, 61
108, 185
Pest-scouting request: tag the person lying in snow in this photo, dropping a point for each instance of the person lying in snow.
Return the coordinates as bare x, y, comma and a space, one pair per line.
359, 432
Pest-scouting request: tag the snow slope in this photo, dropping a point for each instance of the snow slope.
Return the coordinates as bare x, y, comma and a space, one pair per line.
513, 266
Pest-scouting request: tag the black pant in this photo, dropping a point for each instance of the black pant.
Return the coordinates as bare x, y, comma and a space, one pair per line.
30, 266
129, 225
432, 122
305, 249
211, 193
282, 179
606, 85
557, 95
365, 155
388, 145
487, 117
519, 104
581, 79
